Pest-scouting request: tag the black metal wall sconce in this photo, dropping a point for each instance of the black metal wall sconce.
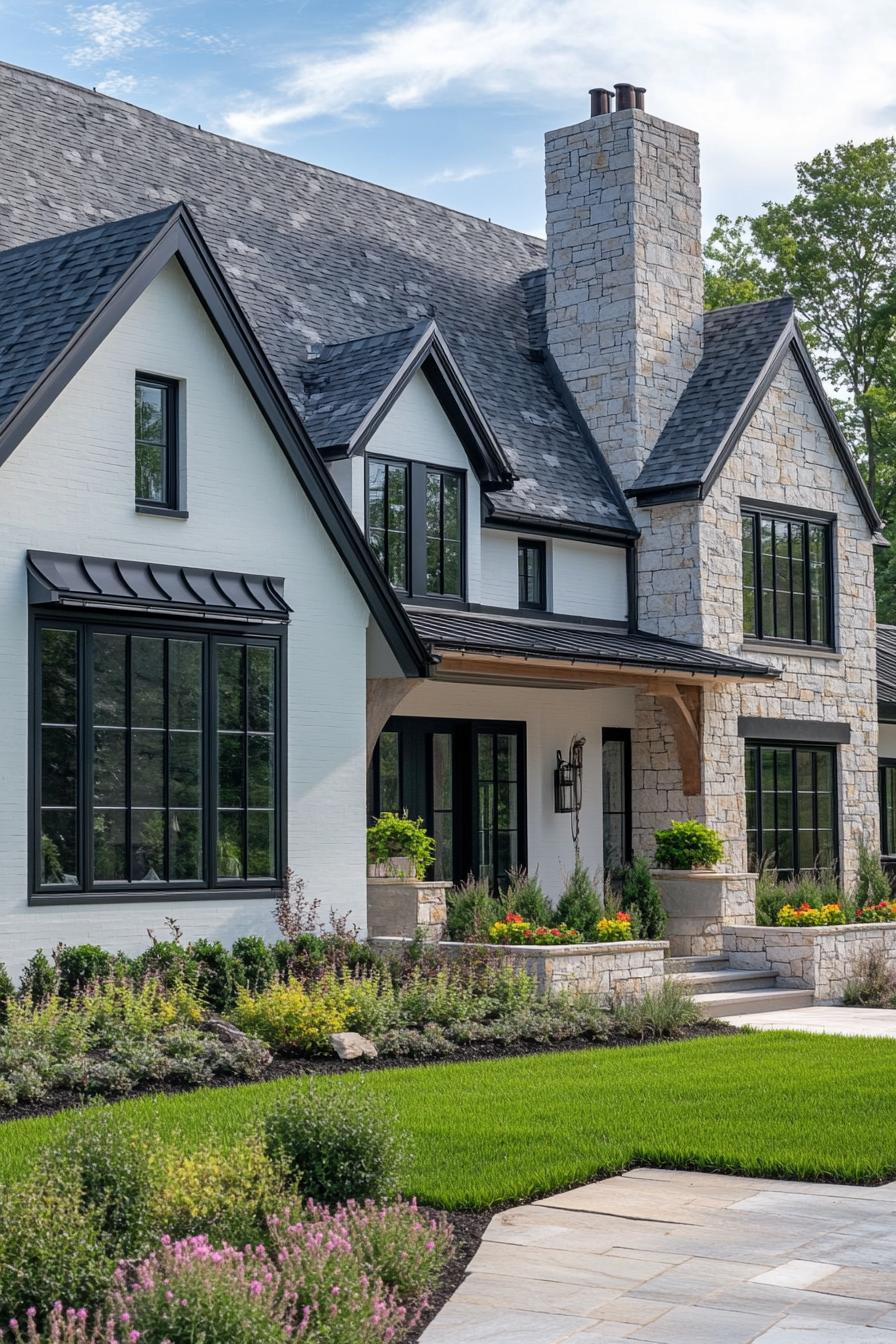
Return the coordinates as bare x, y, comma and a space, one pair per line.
568, 778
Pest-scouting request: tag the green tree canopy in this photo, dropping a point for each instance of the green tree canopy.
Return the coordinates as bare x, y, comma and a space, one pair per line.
833, 247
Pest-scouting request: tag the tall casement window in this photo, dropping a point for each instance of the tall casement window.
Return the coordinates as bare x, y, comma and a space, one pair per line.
157, 758
532, 559
617, 797
887, 787
415, 526
787, 578
387, 518
791, 807
443, 533
155, 442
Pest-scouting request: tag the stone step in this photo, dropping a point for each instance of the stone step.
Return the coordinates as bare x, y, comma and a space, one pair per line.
716, 982
732, 1004
684, 965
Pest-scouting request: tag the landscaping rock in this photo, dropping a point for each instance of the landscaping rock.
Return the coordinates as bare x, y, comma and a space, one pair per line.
349, 1045
224, 1031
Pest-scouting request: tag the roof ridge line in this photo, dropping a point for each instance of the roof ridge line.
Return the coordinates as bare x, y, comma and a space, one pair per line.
276, 153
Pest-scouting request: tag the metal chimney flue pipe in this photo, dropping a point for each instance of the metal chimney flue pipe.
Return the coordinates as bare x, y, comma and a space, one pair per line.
601, 102
626, 96
639, 97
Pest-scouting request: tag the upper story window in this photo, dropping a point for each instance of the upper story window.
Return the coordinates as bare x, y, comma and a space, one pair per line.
387, 518
157, 758
443, 533
532, 557
415, 526
787, 578
155, 442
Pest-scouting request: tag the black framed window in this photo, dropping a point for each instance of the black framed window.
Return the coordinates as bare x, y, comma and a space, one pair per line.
787, 578
444, 533
791, 807
532, 558
467, 780
415, 527
155, 441
387, 518
617, 797
157, 758
887, 788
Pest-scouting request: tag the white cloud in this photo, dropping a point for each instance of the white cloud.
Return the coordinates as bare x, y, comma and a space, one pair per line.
117, 84
109, 31
765, 81
459, 174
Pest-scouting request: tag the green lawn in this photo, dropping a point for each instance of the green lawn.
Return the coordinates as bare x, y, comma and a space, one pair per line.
770, 1104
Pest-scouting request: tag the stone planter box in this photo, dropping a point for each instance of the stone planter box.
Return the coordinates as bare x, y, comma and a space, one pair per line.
609, 971
820, 959
397, 908
399, 868
699, 903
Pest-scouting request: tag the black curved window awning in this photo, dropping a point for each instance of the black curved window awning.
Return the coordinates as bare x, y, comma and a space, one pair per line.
60, 580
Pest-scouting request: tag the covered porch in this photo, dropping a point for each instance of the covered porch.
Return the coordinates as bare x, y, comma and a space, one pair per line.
474, 749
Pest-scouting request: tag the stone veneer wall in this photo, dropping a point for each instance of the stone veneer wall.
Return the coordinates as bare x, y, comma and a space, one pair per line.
784, 457
822, 959
624, 298
398, 909
609, 971
699, 905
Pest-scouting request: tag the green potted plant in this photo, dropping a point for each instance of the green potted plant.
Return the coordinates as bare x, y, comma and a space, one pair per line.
398, 847
688, 845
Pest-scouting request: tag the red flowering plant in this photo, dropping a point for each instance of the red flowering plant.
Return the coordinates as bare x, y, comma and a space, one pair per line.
518, 932
615, 928
884, 912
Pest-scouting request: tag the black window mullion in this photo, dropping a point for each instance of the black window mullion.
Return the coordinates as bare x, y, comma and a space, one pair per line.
790, 576
84, 736
166, 757
128, 743
209, 794
244, 792
807, 584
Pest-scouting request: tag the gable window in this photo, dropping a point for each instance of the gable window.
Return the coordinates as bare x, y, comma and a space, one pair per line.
387, 518
787, 578
443, 533
156, 758
415, 526
791, 807
532, 557
155, 441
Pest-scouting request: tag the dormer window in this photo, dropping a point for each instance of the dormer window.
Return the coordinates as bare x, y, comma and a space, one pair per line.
787, 577
415, 527
156, 443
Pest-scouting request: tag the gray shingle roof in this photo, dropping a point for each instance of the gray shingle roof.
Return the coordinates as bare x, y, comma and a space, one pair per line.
738, 342
50, 289
886, 665
314, 257
583, 643
347, 380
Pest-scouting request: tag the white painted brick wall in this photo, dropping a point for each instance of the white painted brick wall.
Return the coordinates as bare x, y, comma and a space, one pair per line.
70, 487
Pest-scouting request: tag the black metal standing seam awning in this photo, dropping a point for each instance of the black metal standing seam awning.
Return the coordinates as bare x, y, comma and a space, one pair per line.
140, 586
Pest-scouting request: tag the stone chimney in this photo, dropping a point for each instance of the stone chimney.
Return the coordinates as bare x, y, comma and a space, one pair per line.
624, 294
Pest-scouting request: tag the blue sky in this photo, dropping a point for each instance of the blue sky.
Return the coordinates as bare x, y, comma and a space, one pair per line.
449, 99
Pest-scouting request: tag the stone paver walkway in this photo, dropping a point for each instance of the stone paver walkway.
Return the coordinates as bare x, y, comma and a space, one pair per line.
829, 1021
677, 1257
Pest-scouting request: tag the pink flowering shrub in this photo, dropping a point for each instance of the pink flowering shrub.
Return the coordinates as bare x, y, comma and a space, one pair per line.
403, 1247
357, 1275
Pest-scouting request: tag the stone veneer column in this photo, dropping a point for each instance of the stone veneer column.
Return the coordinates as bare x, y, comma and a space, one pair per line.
624, 297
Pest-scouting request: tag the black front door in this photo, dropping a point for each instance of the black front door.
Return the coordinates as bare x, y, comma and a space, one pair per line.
466, 779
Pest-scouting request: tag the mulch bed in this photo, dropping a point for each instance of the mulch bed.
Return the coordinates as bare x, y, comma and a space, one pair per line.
284, 1066
469, 1229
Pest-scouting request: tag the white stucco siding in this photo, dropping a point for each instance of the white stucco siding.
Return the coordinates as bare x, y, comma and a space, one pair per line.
69, 486
552, 719
418, 430
589, 580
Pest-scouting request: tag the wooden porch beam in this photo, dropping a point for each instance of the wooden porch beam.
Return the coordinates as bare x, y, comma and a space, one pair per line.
682, 705
545, 671
384, 695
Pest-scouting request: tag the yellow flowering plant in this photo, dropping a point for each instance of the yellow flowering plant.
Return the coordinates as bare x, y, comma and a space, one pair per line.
810, 916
